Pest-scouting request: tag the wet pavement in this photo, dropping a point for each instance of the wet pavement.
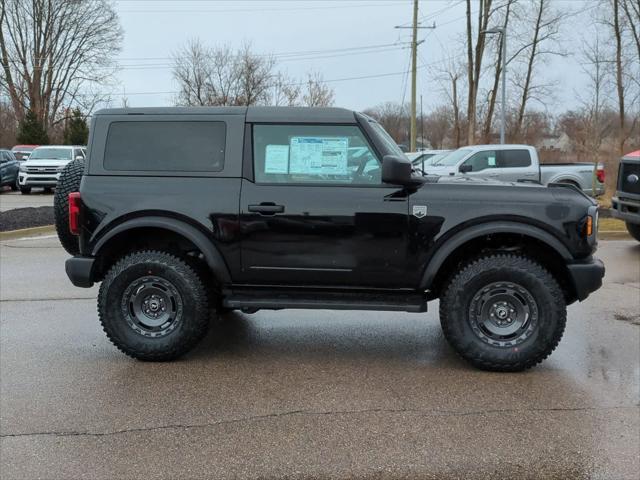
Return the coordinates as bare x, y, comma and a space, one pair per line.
310, 394
37, 198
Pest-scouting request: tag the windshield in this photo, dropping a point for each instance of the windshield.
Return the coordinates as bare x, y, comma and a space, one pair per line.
51, 154
389, 142
433, 159
451, 159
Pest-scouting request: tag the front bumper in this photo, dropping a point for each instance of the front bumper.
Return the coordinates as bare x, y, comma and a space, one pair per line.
79, 270
586, 277
626, 209
38, 180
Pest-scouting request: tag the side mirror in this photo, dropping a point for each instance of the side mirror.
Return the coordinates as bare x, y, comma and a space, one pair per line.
466, 168
396, 170
79, 157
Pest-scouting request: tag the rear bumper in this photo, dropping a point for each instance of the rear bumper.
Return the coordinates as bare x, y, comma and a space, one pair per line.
586, 277
79, 270
626, 209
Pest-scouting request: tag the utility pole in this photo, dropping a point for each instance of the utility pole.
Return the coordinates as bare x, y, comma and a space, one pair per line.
414, 69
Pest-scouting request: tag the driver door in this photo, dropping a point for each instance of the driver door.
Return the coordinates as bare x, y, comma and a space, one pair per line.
316, 211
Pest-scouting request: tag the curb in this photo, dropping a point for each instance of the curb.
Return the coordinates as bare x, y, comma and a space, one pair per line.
27, 232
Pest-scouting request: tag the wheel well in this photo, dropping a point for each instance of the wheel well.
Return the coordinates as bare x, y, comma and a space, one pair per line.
149, 238
505, 242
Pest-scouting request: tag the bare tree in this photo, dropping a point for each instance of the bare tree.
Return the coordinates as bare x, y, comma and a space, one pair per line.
493, 93
283, 92
255, 76
318, 93
449, 78
208, 76
474, 61
393, 118
54, 51
542, 43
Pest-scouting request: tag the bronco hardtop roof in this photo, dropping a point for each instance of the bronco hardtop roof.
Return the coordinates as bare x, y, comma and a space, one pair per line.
252, 114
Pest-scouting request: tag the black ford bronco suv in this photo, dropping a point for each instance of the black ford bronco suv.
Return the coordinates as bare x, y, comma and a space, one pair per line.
183, 213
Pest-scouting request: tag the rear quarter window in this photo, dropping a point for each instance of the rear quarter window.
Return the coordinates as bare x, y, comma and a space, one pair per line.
515, 158
165, 146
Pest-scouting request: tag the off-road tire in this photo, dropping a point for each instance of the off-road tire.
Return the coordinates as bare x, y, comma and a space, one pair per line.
69, 182
194, 320
456, 314
634, 230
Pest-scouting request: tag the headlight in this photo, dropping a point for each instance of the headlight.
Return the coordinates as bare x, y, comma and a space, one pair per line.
61, 168
22, 168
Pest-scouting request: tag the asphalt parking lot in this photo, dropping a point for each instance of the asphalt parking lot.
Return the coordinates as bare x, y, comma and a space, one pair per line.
302, 394
37, 198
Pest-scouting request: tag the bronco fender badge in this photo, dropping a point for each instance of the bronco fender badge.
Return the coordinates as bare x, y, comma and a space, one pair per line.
419, 211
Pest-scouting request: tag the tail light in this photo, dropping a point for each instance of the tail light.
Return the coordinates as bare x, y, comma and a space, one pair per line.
600, 173
74, 213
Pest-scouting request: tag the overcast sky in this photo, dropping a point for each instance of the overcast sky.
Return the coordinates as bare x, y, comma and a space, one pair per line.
347, 38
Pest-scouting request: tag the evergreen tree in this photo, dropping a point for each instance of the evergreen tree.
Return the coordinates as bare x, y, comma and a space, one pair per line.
31, 131
77, 131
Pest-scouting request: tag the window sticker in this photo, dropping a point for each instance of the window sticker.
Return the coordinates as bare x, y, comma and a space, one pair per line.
276, 159
319, 155
492, 161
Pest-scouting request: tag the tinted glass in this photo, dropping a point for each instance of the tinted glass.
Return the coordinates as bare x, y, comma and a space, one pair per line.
313, 154
165, 146
514, 159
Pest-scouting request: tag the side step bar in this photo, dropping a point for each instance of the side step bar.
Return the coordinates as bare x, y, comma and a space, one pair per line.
276, 300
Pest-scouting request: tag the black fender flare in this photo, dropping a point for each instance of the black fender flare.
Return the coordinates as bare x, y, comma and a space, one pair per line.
480, 230
212, 256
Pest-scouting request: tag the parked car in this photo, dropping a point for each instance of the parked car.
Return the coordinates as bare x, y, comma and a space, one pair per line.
518, 163
22, 152
43, 167
425, 158
182, 212
626, 203
8, 169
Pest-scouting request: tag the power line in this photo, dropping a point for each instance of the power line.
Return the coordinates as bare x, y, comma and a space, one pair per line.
276, 9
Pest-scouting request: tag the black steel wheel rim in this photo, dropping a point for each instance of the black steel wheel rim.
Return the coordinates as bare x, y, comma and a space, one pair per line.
503, 314
152, 306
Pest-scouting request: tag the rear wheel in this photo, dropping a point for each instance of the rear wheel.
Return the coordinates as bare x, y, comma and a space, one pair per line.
153, 306
15, 186
503, 312
69, 182
634, 230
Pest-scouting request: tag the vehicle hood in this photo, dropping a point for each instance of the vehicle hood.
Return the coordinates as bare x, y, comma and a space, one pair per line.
437, 170
43, 162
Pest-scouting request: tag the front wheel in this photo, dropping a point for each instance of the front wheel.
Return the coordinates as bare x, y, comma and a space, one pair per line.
503, 312
634, 230
25, 190
153, 306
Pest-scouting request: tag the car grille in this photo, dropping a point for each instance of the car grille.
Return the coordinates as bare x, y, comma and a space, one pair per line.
48, 170
626, 170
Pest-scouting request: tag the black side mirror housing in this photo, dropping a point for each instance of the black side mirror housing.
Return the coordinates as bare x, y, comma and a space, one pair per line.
466, 168
397, 170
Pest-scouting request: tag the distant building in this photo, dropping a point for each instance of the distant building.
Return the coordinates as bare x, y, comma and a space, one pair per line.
555, 143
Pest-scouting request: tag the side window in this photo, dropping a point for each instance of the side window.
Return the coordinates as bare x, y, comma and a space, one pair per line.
314, 154
165, 146
514, 159
482, 161
3, 157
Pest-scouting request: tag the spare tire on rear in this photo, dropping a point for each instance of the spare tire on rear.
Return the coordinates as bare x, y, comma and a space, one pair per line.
69, 182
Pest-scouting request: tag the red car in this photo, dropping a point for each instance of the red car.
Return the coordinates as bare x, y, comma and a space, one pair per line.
22, 152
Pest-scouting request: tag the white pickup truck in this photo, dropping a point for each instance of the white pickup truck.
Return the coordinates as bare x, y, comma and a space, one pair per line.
513, 163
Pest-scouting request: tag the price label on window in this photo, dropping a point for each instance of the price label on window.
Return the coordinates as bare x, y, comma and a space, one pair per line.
318, 155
